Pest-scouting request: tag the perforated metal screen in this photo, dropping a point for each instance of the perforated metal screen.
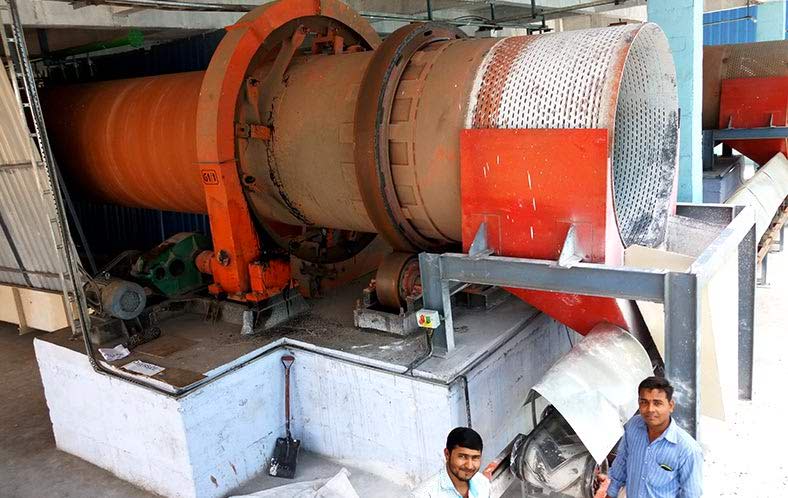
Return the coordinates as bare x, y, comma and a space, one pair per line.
645, 141
571, 80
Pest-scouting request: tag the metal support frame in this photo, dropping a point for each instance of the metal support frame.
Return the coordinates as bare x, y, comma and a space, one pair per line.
679, 291
763, 278
712, 137
748, 248
707, 149
765, 133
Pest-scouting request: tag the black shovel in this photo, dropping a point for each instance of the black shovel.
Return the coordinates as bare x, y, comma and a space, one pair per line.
283, 463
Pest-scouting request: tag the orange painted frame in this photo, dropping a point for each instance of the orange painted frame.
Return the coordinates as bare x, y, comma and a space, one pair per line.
236, 244
530, 186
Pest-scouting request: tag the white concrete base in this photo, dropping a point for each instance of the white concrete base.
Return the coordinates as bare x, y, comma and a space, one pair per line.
211, 440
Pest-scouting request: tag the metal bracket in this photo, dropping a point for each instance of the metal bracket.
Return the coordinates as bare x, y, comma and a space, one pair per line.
571, 253
479, 247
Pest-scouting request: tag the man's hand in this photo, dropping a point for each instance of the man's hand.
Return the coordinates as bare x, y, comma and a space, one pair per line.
604, 482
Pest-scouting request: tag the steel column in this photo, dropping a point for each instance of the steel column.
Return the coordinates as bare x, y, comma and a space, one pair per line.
682, 346
748, 248
436, 296
707, 148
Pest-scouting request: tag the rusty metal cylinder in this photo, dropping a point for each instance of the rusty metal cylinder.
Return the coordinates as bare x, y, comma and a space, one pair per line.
133, 142
619, 78
306, 174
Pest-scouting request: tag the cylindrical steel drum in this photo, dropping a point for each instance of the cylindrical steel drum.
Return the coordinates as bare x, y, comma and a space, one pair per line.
129, 141
132, 141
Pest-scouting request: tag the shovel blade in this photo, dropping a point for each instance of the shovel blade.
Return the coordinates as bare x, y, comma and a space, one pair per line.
283, 463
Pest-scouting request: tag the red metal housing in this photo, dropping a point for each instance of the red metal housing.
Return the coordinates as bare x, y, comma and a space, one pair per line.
530, 187
755, 103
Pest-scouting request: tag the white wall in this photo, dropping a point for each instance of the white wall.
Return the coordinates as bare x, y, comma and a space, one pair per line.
212, 440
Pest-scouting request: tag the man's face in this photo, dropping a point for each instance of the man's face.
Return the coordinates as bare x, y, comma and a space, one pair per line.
463, 463
655, 407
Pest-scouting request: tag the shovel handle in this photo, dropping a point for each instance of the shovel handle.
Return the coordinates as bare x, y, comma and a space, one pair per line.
287, 361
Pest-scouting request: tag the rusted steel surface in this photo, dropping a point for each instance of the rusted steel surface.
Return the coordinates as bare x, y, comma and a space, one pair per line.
396, 278
130, 142
387, 102
742, 60
304, 171
591, 142
257, 36
408, 171
305, 174
623, 81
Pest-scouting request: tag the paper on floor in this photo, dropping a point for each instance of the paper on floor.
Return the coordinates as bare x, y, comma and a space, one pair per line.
117, 353
143, 367
336, 487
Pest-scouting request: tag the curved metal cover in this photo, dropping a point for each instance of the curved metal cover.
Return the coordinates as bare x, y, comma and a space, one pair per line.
594, 386
765, 192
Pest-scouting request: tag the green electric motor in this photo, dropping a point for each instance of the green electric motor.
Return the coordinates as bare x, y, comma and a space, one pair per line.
170, 267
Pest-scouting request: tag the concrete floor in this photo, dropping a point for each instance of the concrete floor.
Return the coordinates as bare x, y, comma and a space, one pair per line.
743, 457
32, 467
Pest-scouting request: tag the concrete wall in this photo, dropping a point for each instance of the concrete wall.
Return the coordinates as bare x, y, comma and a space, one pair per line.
387, 424
682, 23
212, 440
499, 385
771, 21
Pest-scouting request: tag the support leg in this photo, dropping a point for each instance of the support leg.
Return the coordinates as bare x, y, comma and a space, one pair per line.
682, 346
762, 280
437, 297
747, 252
20, 312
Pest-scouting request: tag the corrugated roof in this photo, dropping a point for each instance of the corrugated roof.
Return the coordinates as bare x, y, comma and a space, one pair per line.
28, 256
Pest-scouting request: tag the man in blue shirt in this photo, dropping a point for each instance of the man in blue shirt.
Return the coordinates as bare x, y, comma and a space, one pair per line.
656, 458
460, 477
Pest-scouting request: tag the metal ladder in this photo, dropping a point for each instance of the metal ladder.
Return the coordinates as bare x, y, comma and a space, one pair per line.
20, 71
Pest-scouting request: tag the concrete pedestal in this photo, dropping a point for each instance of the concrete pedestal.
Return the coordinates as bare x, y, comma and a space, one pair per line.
355, 403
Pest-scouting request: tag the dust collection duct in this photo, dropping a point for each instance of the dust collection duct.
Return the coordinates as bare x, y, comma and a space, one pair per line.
320, 125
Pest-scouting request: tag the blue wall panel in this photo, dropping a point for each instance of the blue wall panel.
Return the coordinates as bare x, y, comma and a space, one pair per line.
728, 26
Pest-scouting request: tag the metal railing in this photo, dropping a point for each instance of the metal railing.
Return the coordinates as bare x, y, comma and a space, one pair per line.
680, 292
